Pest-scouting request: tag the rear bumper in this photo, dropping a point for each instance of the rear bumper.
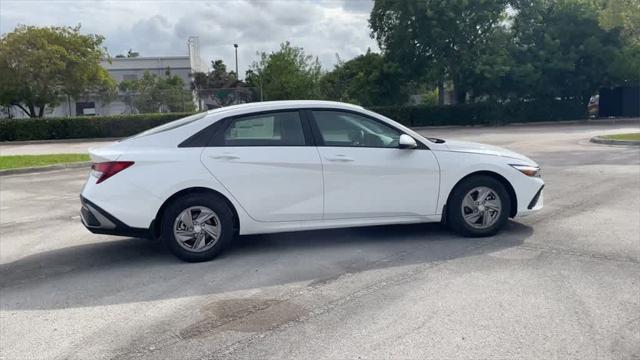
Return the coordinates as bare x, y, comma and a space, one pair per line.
98, 221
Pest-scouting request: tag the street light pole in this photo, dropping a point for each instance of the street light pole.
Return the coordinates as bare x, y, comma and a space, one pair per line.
237, 75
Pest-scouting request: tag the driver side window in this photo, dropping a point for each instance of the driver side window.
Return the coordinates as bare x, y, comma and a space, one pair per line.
339, 128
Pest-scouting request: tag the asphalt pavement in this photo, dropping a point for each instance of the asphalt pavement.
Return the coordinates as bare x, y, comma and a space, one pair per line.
563, 283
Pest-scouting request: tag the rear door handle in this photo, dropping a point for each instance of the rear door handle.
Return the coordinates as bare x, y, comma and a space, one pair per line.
340, 158
225, 157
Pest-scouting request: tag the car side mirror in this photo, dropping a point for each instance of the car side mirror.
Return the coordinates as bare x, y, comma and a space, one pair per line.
407, 142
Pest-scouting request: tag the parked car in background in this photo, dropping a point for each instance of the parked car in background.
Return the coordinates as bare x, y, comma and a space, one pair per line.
593, 106
198, 182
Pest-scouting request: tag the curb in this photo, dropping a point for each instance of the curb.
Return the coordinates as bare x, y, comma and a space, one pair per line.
38, 169
605, 141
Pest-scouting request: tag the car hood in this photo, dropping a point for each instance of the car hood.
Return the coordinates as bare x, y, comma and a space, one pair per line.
477, 148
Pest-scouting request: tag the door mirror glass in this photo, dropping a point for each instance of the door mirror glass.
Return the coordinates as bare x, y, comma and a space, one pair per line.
407, 142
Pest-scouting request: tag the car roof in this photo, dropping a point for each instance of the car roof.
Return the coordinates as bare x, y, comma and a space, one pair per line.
282, 104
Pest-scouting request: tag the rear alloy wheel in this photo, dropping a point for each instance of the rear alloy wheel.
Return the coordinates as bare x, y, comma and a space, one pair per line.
479, 206
197, 227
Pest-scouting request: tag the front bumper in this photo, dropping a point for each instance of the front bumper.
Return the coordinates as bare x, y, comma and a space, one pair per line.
537, 198
98, 221
535, 204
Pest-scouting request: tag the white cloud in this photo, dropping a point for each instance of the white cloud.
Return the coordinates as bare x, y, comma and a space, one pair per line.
323, 28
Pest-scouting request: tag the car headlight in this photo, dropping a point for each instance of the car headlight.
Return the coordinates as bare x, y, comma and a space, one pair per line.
529, 170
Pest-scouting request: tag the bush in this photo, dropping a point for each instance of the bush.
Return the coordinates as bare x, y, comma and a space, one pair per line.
488, 113
419, 115
117, 126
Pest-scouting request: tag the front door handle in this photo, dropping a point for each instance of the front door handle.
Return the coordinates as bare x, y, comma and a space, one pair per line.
225, 157
340, 158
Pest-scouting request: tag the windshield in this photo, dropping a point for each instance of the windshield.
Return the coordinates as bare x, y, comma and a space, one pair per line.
172, 125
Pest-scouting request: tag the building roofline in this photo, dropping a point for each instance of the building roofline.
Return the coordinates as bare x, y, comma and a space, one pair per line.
176, 57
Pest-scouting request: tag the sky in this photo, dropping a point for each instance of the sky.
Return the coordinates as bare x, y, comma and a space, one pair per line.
323, 28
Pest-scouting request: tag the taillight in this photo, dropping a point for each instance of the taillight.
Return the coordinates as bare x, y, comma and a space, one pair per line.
105, 170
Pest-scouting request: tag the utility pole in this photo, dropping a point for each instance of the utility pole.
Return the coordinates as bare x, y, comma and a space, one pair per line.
237, 75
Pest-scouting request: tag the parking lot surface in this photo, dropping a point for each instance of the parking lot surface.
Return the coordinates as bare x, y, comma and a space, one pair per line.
563, 283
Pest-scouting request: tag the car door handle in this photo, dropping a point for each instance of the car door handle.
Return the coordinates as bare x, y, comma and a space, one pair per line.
225, 157
340, 158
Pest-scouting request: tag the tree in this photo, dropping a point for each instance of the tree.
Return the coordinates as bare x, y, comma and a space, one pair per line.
153, 93
438, 39
217, 78
40, 66
368, 80
221, 87
489, 76
286, 74
561, 51
623, 15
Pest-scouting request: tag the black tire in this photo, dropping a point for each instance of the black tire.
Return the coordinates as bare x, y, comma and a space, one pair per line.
455, 218
218, 205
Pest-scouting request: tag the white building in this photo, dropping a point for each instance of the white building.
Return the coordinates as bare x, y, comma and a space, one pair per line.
133, 69
129, 69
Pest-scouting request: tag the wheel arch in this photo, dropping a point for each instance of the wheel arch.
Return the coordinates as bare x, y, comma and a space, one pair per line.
512, 193
155, 225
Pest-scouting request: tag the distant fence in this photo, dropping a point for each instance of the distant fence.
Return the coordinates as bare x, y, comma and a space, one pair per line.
186, 100
152, 101
620, 101
220, 97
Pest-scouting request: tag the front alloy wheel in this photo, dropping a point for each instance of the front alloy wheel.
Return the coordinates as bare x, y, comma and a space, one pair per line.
478, 206
481, 207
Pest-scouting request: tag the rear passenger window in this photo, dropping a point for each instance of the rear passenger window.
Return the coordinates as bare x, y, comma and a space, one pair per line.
272, 129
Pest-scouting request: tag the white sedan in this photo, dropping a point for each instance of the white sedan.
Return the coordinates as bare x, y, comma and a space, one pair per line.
198, 182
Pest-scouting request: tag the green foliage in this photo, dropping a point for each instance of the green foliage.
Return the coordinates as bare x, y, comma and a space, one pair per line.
632, 137
82, 127
23, 161
366, 80
494, 50
221, 86
561, 51
623, 15
485, 113
286, 74
153, 93
218, 77
430, 98
40, 66
439, 39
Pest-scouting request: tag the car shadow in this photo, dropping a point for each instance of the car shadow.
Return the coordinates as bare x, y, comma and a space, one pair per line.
133, 270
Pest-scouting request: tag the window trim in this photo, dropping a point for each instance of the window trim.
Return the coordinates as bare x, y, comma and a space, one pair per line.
217, 140
319, 140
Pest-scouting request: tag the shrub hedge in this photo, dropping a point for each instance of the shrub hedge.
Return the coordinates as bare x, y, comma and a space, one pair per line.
82, 127
485, 113
464, 114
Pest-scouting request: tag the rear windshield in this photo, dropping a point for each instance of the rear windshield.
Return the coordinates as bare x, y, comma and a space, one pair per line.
172, 125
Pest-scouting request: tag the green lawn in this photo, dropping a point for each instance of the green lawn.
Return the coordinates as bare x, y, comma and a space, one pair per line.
632, 136
22, 161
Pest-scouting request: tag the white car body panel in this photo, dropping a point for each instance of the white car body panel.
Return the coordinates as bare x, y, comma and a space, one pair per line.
363, 182
275, 189
271, 183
